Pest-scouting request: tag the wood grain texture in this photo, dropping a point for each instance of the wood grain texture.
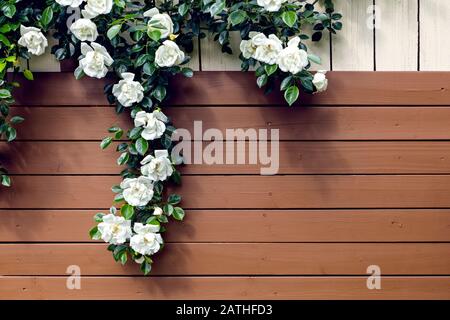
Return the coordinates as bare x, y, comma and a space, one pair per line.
222, 288
233, 259
216, 192
397, 36
434, 31
245, 226
294, 158
352, 48
315, 123
236, 88
214, 60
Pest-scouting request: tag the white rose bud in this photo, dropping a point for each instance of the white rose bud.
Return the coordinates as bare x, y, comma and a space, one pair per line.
159, 21
33, 39
267, 49
95, 8
114, 229
271, 5
137, 191
84, 30
292, 59
168, 54
157, 168
158, 211
320, 81
95, 61
72, 3
128, 91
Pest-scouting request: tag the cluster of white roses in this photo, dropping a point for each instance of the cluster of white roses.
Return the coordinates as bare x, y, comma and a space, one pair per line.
94, 62
117, 230
269, 50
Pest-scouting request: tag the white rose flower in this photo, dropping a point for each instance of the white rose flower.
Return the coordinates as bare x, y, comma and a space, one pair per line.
128, 91
94, 8
84, 30
157, 168
158, 211
267, 49
153, 123
159, 21
33, 39
114, 229
248, 47
72, 3
146, 241
169, 54
137, 191
292, 59
95, 61
320, 81
271, 5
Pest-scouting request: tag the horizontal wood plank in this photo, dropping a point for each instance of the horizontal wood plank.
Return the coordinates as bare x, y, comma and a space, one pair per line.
245, 226
234, 259
236, 88
221, 288
294, 158
239, 192
316, 123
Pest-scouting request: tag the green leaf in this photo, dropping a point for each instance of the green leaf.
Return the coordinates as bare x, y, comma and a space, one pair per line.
183, 9
168, 209
146, 267
141, 146
95, 234
178, 213
187, 72
270, 69
154, 34
9, 10
123, 257
127, 211
262, 80
5, 94
149, 68
289, 18
237, 17
291, 94
113, 31
217, 7
285, 83
47, 16
174, 199
28, 74
99, 217
6, 180
314, 58
11, 134
17, 119
106, 142
123, 158
135, 133
159, 93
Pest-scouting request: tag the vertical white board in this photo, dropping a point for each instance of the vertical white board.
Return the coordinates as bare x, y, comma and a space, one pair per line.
396, 45
212, 57
353, 48
434, 35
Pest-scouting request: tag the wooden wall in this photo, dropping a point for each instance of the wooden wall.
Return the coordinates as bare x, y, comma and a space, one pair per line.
364, 180
406, 35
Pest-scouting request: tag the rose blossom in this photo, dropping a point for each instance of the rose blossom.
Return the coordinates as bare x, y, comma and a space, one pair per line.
95, 8
168, 54
320, 81
292, 59
146, 241
33, 39
159, 21
157, 168
95, 61
128, 91
84, 29
267, 48
153, 124
137, 191
114, 229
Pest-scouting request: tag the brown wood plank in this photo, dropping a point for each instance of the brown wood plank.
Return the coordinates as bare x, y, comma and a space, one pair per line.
239, 192
221, 288
234, 259
245, 226
294, 158
316, 123
236, 88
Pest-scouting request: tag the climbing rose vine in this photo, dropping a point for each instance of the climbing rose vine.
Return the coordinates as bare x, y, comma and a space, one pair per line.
142, 45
